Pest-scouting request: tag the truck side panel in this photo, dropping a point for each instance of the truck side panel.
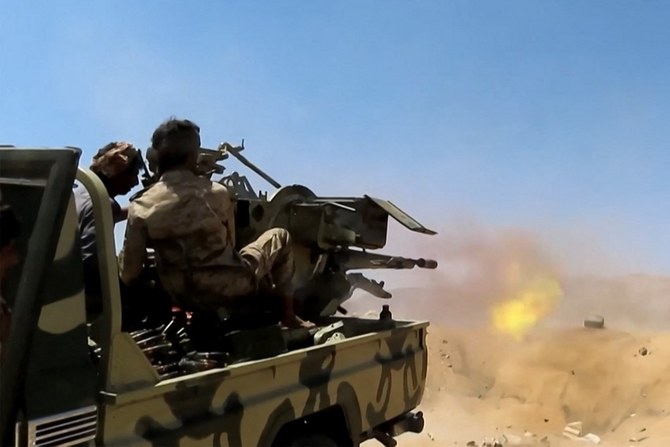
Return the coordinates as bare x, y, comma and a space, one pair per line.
373, 378
48, 380
61, 369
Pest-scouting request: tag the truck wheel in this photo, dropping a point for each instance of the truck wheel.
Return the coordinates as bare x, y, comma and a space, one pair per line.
313, 441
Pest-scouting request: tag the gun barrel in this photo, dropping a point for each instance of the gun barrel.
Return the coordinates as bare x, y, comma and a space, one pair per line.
236, 153
354, 259
426, 263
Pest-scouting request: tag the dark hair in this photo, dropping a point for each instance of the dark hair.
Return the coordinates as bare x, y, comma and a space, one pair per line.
9, 226
106, 148
170, 141
134, 166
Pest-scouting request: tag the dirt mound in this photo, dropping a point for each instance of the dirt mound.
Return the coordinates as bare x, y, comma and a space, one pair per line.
482, 384
485, 383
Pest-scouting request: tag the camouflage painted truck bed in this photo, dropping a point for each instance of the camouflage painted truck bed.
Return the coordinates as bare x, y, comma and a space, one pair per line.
363, 382
70, 380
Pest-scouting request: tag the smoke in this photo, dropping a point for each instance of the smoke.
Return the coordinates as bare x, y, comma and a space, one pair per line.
483, 268
479, 267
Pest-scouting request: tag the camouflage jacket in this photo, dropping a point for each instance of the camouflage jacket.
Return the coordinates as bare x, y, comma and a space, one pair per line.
188, 220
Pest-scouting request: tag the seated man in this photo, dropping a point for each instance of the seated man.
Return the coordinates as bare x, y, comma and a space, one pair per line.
189, 221
9, 232
118, 165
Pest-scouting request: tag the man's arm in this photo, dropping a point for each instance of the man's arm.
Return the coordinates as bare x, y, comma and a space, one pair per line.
89, 247
134, 251
122, 214
119, 213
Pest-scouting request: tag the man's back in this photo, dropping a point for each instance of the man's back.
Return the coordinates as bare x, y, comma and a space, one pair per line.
189, 221
186, 220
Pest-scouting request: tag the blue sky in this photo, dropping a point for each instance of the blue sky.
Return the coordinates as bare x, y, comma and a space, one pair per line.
550, 116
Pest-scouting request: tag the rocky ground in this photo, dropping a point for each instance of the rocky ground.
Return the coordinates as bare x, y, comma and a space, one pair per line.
609, 387
561, 384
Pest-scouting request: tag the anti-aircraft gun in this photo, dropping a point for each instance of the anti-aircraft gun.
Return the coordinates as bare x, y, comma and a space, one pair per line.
199, 377
332, 235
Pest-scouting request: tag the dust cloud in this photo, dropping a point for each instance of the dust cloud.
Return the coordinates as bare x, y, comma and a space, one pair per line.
482, 266
487, 383
479, 268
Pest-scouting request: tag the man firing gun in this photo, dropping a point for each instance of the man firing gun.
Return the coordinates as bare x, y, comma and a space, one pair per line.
190, 223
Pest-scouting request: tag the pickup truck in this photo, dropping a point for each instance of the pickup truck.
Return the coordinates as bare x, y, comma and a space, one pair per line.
67, 379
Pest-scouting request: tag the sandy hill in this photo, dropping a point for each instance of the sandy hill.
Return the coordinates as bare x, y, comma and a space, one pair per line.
615, 381
483, 385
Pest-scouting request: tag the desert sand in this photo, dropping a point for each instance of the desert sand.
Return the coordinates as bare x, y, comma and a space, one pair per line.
509, 356
524, 390
482, 385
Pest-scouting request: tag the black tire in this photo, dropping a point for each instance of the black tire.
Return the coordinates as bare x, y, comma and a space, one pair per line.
313, 441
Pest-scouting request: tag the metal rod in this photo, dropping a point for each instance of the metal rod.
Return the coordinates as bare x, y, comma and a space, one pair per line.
235, 152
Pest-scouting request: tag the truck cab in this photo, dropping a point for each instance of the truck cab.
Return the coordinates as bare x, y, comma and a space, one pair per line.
67, 379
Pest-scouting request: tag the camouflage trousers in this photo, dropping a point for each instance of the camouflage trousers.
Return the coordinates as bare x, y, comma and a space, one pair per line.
268, 257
